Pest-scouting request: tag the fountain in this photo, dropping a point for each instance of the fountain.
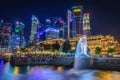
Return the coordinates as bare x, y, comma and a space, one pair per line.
81, 54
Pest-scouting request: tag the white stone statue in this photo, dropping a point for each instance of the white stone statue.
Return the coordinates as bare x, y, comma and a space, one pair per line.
81, 48
81, 56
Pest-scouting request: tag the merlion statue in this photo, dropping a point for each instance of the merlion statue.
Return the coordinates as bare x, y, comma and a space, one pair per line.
81, 56
81, 48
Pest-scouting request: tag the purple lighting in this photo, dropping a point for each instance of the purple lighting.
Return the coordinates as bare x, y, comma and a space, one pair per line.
41, 33
17, 22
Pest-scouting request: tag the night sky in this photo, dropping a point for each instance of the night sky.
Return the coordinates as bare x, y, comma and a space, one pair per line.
105, 14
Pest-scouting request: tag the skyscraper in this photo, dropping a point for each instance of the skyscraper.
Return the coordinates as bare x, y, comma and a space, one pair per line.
19, 29
34, 28
5, 32
77, 17
69, 17
86, 24
17, 37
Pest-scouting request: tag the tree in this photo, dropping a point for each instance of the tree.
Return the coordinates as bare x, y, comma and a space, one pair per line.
88, 50
110, 51
56, 46
98, 50
66, 46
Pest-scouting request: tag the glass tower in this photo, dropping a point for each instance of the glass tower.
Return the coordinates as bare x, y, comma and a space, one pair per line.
77, 19
34, 28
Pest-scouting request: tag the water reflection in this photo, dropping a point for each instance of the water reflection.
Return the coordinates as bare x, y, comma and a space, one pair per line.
8, 72
108, 75
104, 75
60, 69
16, 70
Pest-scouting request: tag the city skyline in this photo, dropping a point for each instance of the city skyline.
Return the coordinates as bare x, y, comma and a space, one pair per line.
104, 15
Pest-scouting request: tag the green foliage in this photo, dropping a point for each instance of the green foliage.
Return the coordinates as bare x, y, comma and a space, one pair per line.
110, 51
66, 46
98, 50
56, 46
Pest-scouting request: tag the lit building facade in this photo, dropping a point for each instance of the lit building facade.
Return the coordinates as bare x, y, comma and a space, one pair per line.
5, 32
77, 17
86, 24
16, 39
52, 33
34, 28
69, 27
103, 42
19, 27
58, 23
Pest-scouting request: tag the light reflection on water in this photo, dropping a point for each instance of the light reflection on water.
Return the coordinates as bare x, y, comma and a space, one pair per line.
8, 72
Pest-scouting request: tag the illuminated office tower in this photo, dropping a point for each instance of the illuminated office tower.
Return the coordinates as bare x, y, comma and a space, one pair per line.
77, 17
86, 24
5, 32
14, 41
19, 30
19, 27
1, 22
59, 23
69, 17
52, 33
34, 28
17, 37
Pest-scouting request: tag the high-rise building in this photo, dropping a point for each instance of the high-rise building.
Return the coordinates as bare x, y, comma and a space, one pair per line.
77, 18
86, 24
69, 17
5, 31
19, 29
61, 25
14, 41
65, 31
17, 37
34, 28
52, 33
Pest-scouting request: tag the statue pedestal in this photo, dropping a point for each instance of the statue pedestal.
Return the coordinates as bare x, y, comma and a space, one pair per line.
82, 62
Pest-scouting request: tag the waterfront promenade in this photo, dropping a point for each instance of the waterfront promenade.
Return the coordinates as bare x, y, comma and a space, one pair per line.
107, 63
64, 60
56, 60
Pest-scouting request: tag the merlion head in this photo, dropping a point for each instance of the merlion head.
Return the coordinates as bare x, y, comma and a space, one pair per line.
84, 38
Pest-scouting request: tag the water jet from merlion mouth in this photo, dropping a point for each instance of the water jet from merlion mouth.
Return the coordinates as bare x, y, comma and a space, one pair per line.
81, 60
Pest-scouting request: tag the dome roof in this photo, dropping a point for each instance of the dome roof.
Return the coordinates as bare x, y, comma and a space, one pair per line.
51, 30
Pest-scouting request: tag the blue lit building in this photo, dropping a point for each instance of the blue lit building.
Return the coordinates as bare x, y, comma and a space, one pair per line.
17, 37
5, 32
34, 29
77, 23
14, 41
52, 33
